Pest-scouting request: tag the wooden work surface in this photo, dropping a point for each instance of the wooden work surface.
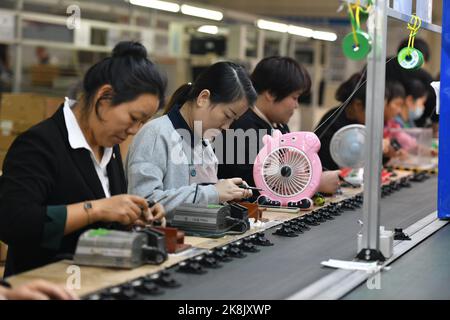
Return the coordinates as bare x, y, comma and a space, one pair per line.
96, 278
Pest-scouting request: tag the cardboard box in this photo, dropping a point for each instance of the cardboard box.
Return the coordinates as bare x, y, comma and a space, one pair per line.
43, 75
14, 127
23, 108
52, 105
2, 158
6, 141
19, 112
21, 126
3, 251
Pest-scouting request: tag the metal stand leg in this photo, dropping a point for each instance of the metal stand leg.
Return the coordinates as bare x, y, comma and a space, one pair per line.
376, 69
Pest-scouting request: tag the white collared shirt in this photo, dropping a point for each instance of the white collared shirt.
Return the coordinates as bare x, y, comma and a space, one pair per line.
77, 140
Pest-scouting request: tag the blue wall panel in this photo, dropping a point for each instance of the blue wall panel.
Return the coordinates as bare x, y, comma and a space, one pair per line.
444, 118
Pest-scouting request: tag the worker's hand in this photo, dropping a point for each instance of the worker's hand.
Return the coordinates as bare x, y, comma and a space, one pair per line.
402, 154
390, 152
248, 193
155, 213
386, 145
38, 290
329, 182
434, 152
125, 209
229, 189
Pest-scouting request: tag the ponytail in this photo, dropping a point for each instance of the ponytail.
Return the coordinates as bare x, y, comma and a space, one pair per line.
226, 81
180, 96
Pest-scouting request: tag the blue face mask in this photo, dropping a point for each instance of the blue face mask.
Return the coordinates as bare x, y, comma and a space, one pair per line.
416, 113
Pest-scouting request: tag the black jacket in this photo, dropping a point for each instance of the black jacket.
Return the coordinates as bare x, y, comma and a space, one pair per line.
41, 170
233, 167
326, 132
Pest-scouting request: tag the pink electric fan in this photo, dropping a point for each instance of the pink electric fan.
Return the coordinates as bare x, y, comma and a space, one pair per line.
288, 169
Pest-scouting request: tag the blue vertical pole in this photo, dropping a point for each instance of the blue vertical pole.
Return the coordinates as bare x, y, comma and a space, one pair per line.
444, 118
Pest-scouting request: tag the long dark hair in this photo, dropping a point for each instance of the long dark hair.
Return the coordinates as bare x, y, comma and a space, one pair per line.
415, 88
226, 81
354, 88
394, 89
128, 71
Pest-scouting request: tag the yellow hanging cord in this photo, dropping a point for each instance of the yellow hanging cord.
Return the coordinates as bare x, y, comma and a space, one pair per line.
413, 26
356, 22
358, 8
353, 22
366, 9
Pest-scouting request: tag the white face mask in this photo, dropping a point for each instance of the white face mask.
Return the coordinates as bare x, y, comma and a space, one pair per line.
416, 113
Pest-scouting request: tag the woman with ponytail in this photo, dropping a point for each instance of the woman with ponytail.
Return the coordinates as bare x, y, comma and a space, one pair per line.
171, 157
65, 175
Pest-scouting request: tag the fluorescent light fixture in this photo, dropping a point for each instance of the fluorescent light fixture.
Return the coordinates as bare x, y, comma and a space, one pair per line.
156, 4
300, 31
272, 26
322, 35
208, 29
201, 12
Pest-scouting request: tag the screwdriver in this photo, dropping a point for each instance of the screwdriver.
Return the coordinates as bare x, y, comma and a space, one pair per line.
243, 186
151, 203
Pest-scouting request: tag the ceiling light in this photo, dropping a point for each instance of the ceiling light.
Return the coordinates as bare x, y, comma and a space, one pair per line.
300, 31
322, 35
273, 26
201, 12
156, 4
208, 29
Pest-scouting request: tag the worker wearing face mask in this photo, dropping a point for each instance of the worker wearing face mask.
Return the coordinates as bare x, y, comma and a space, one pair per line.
413, 108
416, 111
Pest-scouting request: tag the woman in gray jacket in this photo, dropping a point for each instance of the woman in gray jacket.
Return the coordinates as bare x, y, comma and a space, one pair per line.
171, 157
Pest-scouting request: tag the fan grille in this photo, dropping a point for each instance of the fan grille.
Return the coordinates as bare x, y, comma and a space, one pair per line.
286, 171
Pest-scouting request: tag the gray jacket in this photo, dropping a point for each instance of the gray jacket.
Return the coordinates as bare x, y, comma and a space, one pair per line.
157, 167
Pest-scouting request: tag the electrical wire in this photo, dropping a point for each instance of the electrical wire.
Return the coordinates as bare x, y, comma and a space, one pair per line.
341, 108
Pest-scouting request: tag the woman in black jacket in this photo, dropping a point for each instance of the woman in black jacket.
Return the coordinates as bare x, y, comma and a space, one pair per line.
352, 95
279, 82
65, 175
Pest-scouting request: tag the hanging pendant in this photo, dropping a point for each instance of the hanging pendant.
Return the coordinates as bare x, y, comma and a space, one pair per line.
353, 51
410, 58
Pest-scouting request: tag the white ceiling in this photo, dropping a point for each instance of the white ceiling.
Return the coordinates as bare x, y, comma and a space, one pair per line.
294, 8
317, 8
313, 11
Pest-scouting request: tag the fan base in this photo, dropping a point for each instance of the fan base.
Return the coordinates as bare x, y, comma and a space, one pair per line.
305, 203
370, 255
